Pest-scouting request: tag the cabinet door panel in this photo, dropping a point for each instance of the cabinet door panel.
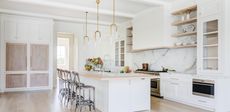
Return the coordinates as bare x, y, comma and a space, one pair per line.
22, 30
16, 80
10, 28
209, 45
207, 7
34, 31
40, 79
44, 33
39, 57
140, 97
16, 57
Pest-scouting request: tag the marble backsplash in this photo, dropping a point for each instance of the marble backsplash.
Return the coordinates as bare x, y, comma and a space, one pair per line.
181, 60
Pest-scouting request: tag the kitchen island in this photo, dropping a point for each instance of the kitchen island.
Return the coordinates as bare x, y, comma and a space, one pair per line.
117, 92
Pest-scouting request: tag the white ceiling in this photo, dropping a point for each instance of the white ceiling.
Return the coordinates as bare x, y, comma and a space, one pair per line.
125, 9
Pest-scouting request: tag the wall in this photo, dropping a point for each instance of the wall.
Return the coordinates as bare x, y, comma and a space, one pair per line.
182, 60
100, 48
0, 54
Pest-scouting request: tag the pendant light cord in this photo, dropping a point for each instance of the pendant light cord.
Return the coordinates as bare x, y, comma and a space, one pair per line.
86, 23
113, 11
98, 1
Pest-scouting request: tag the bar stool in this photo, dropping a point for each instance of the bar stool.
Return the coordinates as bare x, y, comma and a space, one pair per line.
85, 94
62, 88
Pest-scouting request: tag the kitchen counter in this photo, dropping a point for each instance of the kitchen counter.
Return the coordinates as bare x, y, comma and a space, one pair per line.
115, 76
117, 92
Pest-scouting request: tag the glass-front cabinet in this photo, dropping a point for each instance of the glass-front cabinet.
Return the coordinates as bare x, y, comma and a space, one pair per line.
209, 40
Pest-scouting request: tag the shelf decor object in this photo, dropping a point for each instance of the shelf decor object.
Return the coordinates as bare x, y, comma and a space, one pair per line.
113, 26
86, 37
97, 32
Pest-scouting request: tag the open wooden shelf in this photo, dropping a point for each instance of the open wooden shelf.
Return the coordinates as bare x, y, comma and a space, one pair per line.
211, 33
177, 23
165, 47
211, 45
184, 10
184, 34
210, 58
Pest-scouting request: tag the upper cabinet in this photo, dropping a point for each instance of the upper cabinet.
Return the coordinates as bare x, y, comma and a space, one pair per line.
209, 7
148, 29
210, 37
209, 51
28, 48
17, 29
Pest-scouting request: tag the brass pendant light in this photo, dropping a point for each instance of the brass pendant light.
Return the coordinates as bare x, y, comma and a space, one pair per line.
86, 37
113, 26
97, 33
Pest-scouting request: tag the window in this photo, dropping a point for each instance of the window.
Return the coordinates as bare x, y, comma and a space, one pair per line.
61, 50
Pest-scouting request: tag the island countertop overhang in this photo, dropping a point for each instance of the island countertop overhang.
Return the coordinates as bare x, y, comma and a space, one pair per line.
115, 76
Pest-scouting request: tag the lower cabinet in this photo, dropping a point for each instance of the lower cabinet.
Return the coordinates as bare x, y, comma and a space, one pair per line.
178, 88
16, 80
27, 70
139, 93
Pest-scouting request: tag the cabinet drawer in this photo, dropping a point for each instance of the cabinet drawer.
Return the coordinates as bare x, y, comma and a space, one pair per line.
204, 102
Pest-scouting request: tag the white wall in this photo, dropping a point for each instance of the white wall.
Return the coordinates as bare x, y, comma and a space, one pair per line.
0, 54
99, 48
183, 60
178, 4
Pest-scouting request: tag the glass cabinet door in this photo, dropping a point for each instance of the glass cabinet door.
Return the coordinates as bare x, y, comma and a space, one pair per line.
210, 45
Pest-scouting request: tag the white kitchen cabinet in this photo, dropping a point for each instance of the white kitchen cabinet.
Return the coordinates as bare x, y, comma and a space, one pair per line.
172, 90
210, 47
20, 30
140, 89
27, 43
40, 32
176, 87
148, 29
120, 53
15, 30
209, 7
203, 102
10, 30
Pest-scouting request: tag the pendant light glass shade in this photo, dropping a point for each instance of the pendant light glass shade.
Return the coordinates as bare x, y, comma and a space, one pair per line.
86, 37
97, 32
113, 26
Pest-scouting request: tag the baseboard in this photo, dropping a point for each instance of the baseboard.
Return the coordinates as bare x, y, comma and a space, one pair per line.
26, 89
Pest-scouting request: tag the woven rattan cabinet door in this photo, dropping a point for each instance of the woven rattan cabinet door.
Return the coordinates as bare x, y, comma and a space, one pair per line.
16, 57
39, 57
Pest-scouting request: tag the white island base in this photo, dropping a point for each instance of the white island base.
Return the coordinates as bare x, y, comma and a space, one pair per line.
120, 92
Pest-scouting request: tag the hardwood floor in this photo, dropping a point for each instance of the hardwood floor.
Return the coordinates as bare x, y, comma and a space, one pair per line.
160, 105
47, 101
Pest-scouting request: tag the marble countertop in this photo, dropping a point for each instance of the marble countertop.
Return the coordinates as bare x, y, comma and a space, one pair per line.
115, 76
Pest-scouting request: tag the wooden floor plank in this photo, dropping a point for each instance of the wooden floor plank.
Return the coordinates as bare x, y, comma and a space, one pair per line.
47, 101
